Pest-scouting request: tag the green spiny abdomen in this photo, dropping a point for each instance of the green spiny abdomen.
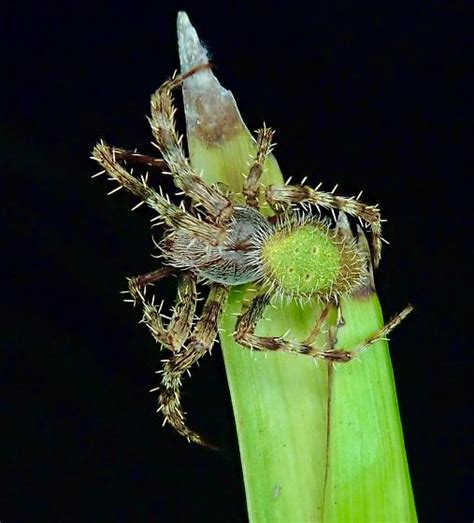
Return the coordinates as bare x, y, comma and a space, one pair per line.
310, 259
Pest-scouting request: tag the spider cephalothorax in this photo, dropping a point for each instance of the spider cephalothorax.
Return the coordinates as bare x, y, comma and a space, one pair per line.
223, 239
233, 261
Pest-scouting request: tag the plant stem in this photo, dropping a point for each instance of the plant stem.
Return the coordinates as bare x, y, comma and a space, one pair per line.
317, 443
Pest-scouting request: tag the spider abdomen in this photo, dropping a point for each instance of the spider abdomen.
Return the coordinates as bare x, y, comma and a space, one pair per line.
305, 257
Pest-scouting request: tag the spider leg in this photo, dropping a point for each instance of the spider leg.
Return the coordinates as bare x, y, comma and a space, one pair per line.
291, 194
139, 159
200, 343
248, 320
169, 142
379, 334
171, 214
319, 324
264, 148
177, 331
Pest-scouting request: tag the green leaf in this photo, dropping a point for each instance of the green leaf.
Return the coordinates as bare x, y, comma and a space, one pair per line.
318, 443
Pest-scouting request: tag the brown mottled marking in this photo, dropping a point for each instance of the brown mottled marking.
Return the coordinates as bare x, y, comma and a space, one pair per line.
215, 129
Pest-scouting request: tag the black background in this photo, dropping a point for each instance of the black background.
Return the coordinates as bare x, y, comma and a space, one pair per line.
370, 95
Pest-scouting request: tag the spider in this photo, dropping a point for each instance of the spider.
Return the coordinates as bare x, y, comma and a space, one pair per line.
223, 239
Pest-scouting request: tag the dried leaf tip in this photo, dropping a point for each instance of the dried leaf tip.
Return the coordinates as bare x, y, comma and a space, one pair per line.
191, 51
211, 111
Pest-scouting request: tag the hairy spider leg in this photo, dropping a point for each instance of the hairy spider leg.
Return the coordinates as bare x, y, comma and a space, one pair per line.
297, 194
264, 149
200, 343
179, 327
248, 320
139, 159
169, 142
169, 213
319, 324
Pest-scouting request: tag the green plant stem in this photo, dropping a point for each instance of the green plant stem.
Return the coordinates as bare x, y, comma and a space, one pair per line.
318, 443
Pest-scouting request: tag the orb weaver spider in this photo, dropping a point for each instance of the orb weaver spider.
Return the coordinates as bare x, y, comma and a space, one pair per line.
223, 239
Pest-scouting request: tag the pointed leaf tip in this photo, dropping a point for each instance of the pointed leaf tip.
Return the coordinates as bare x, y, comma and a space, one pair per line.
191, 51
